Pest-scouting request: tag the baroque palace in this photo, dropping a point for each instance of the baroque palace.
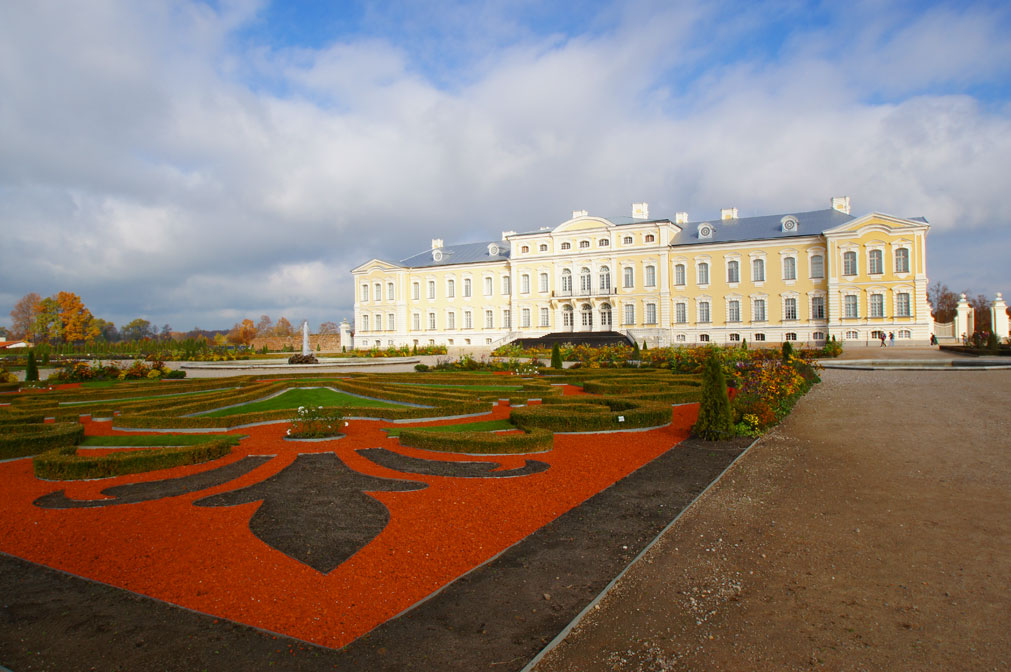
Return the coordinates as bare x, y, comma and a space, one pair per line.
803, 276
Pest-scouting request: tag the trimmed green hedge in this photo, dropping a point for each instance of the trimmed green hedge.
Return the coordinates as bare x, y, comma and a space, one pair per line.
63, 464
590, 414
10, 387
21, 440
535, 440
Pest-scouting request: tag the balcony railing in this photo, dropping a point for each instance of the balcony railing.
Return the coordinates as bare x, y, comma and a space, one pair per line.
584, 293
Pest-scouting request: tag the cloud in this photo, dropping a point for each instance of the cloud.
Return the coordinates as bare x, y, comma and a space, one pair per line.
176, 167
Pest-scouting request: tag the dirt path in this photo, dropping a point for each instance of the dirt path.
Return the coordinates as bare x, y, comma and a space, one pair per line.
871, 531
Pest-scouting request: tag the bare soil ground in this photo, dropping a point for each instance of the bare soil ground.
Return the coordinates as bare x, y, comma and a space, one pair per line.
870, 531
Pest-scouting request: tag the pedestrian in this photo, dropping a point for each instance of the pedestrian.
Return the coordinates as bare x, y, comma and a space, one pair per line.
882, 335
891, 338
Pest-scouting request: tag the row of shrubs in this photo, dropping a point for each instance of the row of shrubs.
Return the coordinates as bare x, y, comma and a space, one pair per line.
533, 440
21, 439
64, 463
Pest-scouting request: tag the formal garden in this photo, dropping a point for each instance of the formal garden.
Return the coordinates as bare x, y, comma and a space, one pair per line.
359, 495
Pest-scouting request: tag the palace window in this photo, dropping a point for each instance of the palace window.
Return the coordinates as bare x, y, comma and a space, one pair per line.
450, 320
818, 336
365, 293
817, 266
902, 260
680, 313
817, 307
735, 338
587, 315
790, 309
703, 273
680, 338
849, 263
629, 313
545, 318
390, 324
627, 240
365, 322
506, 319
759, 337
566, 246
651, 276
416, 321
852, 334
649, 238
875, 265
542, 282
468, 320
525, 317
733, 271
603, 242
605, 279
431, 321
542, 247
489, 319
789, 268
905, 333
679, 274
734, 311
431, 289
650, 313
379, 291
583, 244
379, 322
877, 305
489, 286
525, 249
791, 336
389, 291
566, 281
758, 311
506, 285
466, 288
450, 289
416, 291
850, 306
567, 320
902, 305
628, 276
758, 270
524, 284
704, 311
703, 338
605, 315
585, 281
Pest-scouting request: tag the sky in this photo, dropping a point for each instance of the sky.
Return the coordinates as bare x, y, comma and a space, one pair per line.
195, 163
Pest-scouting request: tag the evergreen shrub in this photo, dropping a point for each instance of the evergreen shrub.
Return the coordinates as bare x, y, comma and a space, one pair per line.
534, 440
65, 464
20, 440
715, 420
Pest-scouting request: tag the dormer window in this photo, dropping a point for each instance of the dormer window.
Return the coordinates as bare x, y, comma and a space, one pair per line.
492, 250
436, 255
525, 249
789, 224
566, 246
627, 240
543, 247
603, 242
649, 238
584, 244
706, 231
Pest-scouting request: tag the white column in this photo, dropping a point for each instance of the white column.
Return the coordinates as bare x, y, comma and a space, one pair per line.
999, 318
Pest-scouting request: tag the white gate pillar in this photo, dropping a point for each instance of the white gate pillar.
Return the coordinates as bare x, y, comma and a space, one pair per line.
963, 320
999, 318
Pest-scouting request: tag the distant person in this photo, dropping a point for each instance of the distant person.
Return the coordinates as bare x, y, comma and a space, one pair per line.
933, 339
882, 335
891, 338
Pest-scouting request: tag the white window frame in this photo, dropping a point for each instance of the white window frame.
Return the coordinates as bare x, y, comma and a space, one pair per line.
650, 275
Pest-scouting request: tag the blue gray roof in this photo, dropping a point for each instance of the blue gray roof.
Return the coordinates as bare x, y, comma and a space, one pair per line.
467, 253
764, 227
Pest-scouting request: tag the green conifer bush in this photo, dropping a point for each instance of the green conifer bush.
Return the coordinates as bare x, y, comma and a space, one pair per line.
715, 418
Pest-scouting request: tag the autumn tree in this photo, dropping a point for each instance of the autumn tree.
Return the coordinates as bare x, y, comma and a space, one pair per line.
242, 333
981, 313
329, 328
136, 330
47, 325
944, 302
75, 319
166, 332
23, 316
265, 327
283, 327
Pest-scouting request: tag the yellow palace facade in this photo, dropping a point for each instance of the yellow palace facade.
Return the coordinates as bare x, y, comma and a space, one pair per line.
804, 276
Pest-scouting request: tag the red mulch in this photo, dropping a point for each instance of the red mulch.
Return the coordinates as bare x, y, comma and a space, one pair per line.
206, 558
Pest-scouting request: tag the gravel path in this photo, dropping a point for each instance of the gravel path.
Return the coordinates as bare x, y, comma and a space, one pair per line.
870, 531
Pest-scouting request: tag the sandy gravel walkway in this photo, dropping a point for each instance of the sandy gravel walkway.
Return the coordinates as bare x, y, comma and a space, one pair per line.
870, 531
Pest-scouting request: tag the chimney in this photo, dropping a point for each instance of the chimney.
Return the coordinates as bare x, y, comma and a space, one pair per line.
579, 213
436, 243
728, 213
640, 211
681, 218
842, 204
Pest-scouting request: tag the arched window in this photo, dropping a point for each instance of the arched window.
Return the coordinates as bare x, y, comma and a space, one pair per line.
849, 263
733, 271
585, 283
817, 266
649, 238
543, 247
586, 314
379, 291
902, 260
584, 244
567, 281
603, 242
789, 268
525, 249
605, 279
566, 246
605, 315
627, 240
874, 262
567, 316
628, 275
703, 273
679, 274
389, 291
758, 270
651, 276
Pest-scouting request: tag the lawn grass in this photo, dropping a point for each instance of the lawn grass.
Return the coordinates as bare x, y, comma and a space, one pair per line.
292, 399
483, 426
158, 440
